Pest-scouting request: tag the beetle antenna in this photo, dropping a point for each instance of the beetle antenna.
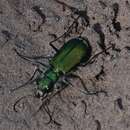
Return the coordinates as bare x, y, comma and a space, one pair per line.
14, 106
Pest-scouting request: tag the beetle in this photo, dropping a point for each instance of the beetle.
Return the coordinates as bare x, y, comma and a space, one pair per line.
75, 52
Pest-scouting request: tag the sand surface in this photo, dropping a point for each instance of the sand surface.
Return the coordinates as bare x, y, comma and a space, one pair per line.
29, 26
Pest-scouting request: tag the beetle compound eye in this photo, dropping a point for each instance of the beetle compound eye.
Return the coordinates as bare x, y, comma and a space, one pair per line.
39, 93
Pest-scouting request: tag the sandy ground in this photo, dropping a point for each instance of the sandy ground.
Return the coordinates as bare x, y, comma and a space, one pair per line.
29, 26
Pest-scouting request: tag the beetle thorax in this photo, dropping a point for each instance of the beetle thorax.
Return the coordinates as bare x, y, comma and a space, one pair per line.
46, 83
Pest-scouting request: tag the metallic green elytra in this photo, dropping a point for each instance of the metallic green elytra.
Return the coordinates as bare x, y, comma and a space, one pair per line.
70, 55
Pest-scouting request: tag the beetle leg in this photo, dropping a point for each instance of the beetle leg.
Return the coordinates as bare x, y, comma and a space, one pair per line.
62, 84
30, 81
55, 48
65, 33
95, 56
32, 59
85, 91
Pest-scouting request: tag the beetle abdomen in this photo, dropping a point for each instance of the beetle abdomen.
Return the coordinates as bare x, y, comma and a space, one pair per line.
73, 52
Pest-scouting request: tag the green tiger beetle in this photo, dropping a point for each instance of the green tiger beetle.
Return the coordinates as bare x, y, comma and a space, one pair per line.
76, 52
